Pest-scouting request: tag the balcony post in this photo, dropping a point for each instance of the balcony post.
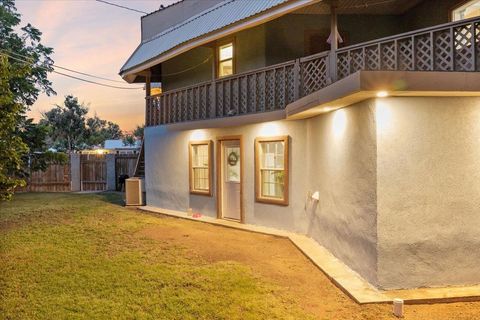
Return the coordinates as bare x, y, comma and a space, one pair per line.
148, 90
333, 39
213, 107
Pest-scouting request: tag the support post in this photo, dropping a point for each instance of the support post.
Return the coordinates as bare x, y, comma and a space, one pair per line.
148, 90
332, 57
213, 101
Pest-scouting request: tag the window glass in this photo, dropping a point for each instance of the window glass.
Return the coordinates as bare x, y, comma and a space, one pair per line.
226, 52
200, 167
225, 60
232, 154
272, 170
225, 68
468, 10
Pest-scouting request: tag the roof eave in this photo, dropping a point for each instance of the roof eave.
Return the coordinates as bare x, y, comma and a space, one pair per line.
130, 74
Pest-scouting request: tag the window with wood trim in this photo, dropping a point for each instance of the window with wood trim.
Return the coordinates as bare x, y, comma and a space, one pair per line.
225, 59
467, 10
271, 170
200, 163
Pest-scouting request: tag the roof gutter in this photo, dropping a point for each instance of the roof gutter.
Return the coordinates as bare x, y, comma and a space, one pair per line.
129, 75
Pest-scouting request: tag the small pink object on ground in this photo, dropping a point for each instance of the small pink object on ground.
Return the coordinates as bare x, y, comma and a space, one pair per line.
197, 215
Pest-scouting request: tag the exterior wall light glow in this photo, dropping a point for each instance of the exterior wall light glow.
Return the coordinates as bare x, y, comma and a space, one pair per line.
382, 94
339, 122
198, 135
270, 129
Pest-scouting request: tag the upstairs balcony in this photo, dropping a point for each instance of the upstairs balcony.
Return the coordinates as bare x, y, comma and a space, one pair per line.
449, 47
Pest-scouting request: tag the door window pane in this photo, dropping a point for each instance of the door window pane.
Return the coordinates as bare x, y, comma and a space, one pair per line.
232, 163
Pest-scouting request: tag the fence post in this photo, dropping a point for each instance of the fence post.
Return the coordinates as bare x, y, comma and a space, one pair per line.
75, 172
111, 176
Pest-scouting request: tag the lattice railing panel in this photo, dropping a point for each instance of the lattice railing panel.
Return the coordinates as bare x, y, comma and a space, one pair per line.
449, 47
289, 84
405, 54
270, 90
357, 60
423, 53
372, 57
464, 48
388, 58
443, 50
313, 74
343, 64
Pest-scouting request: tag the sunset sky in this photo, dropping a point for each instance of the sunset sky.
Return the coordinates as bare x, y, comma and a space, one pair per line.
95, 38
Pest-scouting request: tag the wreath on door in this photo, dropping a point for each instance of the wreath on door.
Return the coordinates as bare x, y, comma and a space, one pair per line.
232, 158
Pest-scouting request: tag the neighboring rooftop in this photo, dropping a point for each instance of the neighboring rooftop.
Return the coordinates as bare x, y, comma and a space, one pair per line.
118, 144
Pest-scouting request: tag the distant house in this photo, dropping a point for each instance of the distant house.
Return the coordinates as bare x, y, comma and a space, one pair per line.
119, 147
356, 123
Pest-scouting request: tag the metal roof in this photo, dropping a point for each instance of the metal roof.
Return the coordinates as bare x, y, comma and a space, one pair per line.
214, 18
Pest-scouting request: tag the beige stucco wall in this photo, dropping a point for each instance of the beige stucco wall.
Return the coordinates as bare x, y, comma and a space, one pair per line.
327, 154
342, 167
428, 193
398, 178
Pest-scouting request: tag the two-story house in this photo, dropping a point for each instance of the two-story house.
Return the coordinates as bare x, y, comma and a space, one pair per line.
355, 122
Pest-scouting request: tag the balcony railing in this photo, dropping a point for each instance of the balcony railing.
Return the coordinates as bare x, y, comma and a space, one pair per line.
449, 47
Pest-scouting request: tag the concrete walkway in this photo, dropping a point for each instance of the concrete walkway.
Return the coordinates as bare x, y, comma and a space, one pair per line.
345, 278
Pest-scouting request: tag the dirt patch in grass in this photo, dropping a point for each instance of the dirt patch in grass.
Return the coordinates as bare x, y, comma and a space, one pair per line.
280, 262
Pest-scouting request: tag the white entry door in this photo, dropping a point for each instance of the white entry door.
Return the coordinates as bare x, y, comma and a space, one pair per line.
230, 189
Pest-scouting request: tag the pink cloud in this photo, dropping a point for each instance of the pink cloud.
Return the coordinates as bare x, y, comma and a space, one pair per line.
94, 38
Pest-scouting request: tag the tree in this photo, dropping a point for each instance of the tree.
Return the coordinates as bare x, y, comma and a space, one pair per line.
129, 140
138, 132
12, 146
68, 124
34, 135
71, 128
99, 130
24, 67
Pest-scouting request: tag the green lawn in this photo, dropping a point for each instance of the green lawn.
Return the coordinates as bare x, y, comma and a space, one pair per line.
72, 256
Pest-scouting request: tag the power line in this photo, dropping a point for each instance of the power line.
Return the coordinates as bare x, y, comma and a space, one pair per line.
70, 76
68, 69
94, 82
120, 6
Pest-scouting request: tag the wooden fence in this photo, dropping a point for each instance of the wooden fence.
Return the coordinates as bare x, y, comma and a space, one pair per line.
124, 164
55, 179
93, 172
